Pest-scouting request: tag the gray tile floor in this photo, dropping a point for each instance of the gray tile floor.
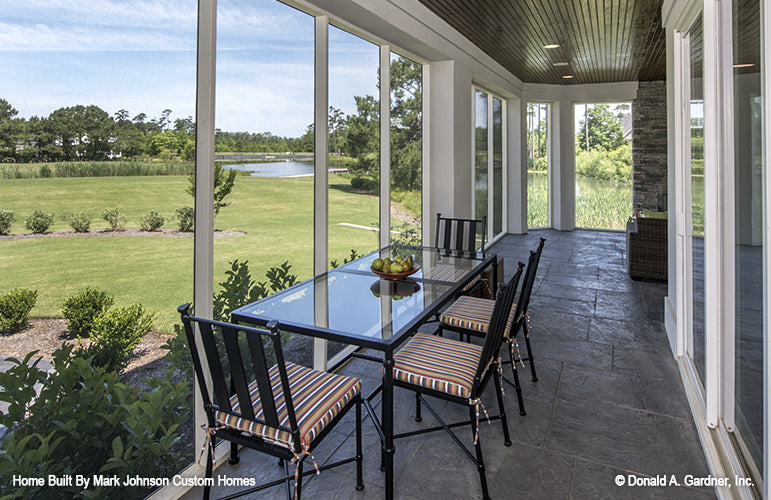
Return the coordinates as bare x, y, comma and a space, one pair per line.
608, 402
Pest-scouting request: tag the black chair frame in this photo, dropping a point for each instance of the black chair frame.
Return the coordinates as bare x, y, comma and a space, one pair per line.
485, 370
459, 235
238, 385
519, 322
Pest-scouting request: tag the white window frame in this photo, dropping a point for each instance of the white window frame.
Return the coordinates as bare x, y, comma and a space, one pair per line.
490, 236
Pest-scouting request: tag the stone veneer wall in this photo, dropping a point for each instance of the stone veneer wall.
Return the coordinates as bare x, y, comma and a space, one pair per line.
649, 146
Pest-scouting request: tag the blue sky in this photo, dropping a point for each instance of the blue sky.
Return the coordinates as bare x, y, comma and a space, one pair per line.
139, 55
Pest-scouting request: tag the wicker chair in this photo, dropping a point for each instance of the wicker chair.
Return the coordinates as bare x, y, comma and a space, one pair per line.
647, 248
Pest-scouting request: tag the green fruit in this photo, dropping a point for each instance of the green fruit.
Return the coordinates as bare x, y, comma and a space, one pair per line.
396, 268
398, 258
387, 259
387, 267
378, 265
407, 264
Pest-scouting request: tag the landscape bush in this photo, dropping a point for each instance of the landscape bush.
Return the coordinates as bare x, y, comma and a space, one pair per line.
186, 218
237, 290
80, 310
365, 183
39, 222
85, 421
79, 222
15, 307
152, 222
114, 335
115, 219
6, 220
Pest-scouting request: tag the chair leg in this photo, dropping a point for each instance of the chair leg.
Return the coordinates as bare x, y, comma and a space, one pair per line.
478, 448
209, 467
501, 409
530, 352
299, 486
418, 416
517, 386
288, 483
233, 460
359, 478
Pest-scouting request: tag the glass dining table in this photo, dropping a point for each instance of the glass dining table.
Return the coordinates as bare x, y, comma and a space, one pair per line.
354, 306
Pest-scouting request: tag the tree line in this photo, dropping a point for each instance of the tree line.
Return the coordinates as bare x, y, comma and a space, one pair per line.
89, 133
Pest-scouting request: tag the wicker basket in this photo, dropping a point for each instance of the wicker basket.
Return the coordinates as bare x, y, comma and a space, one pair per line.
647, 248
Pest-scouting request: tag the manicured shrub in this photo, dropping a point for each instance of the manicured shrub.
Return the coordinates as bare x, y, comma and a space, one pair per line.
81, 309
39, 222
6, 220
80, 222
115, 334
186, 218
86, 422
152, 222
115, 219
15, 307
365, 183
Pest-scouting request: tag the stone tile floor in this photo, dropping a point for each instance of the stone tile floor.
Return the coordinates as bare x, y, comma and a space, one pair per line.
608, 401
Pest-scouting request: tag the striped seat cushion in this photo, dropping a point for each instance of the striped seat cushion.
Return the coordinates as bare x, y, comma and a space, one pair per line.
317, 397
438, 363
473, 313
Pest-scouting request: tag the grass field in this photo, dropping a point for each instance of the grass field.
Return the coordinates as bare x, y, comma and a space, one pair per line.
275, 213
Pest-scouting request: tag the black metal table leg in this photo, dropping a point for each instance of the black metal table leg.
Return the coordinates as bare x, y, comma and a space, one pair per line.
388, 424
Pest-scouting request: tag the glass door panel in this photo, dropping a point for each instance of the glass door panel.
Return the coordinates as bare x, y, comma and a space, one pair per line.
480, 155
498, 180
697, 226
748, 173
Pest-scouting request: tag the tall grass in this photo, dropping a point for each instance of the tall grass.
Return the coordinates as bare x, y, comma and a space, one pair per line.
604, 209
95, 169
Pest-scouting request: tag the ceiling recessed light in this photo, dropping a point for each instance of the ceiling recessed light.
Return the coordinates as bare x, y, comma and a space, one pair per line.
567, 76
559, 64
749, 65
551, 46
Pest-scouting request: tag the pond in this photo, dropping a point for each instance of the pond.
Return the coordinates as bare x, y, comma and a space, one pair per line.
599, 203
276, 168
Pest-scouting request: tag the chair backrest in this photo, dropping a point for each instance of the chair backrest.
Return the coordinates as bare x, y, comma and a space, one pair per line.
460, 234
504, 300
527, 286
232, 370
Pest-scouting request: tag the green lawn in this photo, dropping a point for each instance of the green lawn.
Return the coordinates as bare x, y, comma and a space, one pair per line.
275, 213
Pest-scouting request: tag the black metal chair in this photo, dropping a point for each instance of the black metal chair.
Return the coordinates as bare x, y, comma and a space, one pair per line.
281, 409
458, 372
470, 316
460, 234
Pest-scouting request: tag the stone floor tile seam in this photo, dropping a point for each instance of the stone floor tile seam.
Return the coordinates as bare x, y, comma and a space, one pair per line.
625, 407
553, 407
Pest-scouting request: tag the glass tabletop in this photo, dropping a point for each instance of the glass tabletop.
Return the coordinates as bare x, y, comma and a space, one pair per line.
353, 305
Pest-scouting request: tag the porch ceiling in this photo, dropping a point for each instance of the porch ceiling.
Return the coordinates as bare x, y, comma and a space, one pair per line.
602, 41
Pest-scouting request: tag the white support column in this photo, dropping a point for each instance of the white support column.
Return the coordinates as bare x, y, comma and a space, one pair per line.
563, 175
385, 145
203, 255
449, 133
321, 170
516, 164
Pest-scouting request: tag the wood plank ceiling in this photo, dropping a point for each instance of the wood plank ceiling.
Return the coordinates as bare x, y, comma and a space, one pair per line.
600, 40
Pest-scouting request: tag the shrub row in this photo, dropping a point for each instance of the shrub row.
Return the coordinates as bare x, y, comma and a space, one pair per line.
40, 222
